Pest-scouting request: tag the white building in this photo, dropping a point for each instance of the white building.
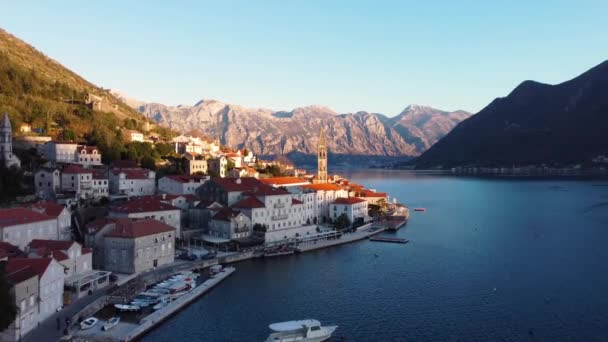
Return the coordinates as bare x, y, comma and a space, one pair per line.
58, 212
6, 144
218, 166
60, 152
71, 153
352, 207
149, 208
132, 181
230, 224
19, 226
24, 284
181, 184
47, 182
100, 185
283, 216
132, 135
80, 277
196, 163
50, 282
77, 179
326, 194
88, 155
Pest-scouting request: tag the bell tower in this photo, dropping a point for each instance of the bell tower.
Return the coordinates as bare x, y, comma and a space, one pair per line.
6, 143
322, 158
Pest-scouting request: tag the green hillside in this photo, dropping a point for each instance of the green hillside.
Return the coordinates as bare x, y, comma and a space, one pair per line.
37, 90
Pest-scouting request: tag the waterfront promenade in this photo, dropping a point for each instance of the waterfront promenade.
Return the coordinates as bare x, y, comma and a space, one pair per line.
358, 235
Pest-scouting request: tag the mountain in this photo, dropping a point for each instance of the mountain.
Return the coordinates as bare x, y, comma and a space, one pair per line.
269, 132
536, 123
36, 89
423, 125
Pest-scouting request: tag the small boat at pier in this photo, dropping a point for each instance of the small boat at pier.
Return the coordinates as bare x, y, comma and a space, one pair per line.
308, 330
112, 322
127, 307
419, 209
164, 302
88, 323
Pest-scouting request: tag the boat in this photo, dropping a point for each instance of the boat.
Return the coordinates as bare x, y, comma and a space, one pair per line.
112, 322
309, 330
127, 307
419, 209
88, 323
164, 302
146, 299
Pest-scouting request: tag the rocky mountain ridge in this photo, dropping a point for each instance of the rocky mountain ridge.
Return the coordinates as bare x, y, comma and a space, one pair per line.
269, 132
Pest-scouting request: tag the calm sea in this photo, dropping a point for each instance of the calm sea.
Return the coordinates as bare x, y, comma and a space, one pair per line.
490, 260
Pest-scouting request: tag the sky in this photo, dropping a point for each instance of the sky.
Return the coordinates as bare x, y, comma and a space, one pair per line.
376, 56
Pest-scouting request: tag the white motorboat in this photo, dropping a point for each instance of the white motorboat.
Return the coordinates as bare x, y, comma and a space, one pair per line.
164, 302
88, 323
127, 307
307, 330
112, 322
146, 299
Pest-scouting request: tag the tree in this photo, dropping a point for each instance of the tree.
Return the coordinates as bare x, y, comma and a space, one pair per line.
230, 165
11, 183
9, 309
341, 222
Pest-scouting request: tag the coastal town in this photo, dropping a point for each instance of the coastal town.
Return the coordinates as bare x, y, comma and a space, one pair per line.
107, 251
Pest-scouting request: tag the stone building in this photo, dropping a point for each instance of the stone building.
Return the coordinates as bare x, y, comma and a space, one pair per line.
134, 246
25, 292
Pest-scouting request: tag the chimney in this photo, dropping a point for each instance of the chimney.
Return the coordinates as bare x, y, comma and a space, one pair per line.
164, 196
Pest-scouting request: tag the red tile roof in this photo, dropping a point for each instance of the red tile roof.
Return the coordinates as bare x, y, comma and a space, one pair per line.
76, 169
99, 175
369, 193
296, 201
52, 244
38, 265
11, 250
322, 186
87, 250
348, 200
59, 256
20, 275
48, 208
267, 190
238, 184
284, 180
96, 225
87, 149
143, 205
132, 229
17, 216
135, 173
249, 203
225, 214
187, 178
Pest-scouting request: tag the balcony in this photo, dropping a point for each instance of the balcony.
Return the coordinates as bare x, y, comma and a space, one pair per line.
279, 217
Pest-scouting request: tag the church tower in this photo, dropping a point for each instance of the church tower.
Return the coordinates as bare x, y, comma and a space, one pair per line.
6, 143
322, 158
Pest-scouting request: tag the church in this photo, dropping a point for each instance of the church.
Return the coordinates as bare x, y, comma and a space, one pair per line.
6, 144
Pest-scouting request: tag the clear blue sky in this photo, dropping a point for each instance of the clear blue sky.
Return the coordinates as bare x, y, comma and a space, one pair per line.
350, 55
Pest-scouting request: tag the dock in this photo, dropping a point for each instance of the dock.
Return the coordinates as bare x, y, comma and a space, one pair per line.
346, 238
388, 239
125, 332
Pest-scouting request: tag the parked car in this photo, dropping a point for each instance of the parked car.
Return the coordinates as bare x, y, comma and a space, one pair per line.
208, 256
